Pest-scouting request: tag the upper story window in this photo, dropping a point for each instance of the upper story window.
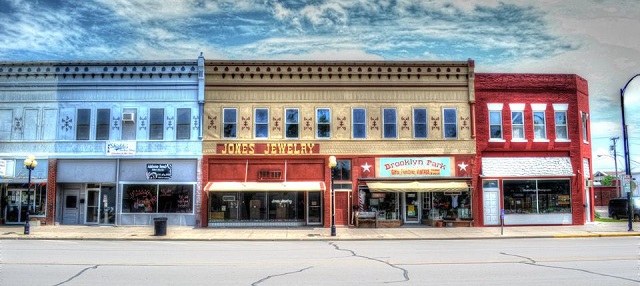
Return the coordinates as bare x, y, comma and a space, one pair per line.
585, 120
539, 121
183, 124
560, 115
450, 125
83, 126
323, 123
261, 123
389, 123
129, 124
517, 121
495, 121
230, 122
359, 122
156, 124
420, 123
292, 120
103, 121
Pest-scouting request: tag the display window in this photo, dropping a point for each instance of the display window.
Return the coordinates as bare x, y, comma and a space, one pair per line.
157, 198
257, 206
537, 196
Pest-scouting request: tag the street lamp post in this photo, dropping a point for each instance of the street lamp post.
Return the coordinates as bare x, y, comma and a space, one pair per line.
627, 157
332, 164
30, 163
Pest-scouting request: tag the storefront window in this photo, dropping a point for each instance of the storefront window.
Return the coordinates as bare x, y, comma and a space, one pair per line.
444, 205
143, 198
384, 204
537, 196
175, 199
256, 206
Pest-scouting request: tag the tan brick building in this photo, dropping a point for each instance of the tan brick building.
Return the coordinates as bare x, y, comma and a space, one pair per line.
402, 133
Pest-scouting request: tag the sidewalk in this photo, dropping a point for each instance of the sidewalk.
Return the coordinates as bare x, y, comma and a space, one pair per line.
75, 232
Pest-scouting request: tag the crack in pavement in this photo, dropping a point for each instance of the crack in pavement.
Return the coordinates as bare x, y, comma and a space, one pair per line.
283, 274
77, 275
405, 272
534, 263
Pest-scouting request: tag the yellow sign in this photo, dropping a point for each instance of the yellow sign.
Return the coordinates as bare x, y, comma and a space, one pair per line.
268, 148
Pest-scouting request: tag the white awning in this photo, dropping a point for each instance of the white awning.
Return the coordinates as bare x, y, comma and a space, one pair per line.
264, 186
527, 167
418, 186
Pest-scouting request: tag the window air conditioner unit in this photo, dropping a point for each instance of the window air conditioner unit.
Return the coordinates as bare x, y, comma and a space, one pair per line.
128, 117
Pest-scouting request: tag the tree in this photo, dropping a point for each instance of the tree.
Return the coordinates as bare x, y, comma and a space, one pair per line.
608, 180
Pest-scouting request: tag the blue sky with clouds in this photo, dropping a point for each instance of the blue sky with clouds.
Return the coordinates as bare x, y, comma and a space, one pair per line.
596, 39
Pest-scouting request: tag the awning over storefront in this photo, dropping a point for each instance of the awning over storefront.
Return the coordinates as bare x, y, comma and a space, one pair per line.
417, 186
527, 167
264, 186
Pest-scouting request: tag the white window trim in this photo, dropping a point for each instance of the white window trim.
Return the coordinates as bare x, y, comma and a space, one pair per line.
444, 134
516, 106
297, 123
426, 123
394, 123
223, 122
561, 108
353, 123
524, 135
496, 107
318, 122
255, 123
584, 119
533, 114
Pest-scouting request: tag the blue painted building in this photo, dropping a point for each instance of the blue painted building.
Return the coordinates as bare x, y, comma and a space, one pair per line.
117, 142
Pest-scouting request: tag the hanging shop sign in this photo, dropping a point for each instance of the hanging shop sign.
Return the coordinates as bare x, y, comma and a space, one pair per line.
414, 167
158, 171
268, 148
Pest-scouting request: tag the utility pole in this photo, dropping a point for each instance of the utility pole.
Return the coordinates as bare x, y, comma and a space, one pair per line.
615, 162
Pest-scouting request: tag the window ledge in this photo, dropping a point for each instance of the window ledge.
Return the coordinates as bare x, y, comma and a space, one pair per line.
563, 140
497, 140
540, 140
519, 140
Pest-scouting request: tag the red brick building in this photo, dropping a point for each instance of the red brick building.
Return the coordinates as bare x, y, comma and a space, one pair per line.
534, 152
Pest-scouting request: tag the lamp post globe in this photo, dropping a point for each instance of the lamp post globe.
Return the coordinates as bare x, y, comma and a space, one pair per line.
332, 165
30, 163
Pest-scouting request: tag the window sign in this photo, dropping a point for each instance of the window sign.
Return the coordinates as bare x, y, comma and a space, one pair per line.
158, 171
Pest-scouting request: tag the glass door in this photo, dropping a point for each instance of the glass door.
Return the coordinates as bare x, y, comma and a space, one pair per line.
93, 206
15, 211
412, 207
314, 212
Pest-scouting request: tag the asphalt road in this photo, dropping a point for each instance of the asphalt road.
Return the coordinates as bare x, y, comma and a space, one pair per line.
590, 261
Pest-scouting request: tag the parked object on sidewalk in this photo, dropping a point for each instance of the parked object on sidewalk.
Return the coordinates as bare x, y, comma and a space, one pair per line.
618, 208
160, 226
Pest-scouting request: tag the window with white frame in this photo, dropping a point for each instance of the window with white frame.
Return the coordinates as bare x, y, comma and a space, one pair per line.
560, 115
183, 124
261, 123
292, 122
539, 121
83, 126
230, 123
103, 121
585, 120
156, 124
323, 123
359, 122
420, 123
450, 125
517, 121
389, 123
129, 116
495, 121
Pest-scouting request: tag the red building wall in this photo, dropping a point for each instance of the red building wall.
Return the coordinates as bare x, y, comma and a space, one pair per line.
530, 89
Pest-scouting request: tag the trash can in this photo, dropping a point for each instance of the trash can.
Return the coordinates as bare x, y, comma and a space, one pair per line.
160, 226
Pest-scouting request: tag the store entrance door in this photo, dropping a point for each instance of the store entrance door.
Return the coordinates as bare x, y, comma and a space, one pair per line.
71, 207
17, 206
412, 207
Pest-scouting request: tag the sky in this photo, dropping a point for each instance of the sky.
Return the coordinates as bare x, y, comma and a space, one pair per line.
595, 39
